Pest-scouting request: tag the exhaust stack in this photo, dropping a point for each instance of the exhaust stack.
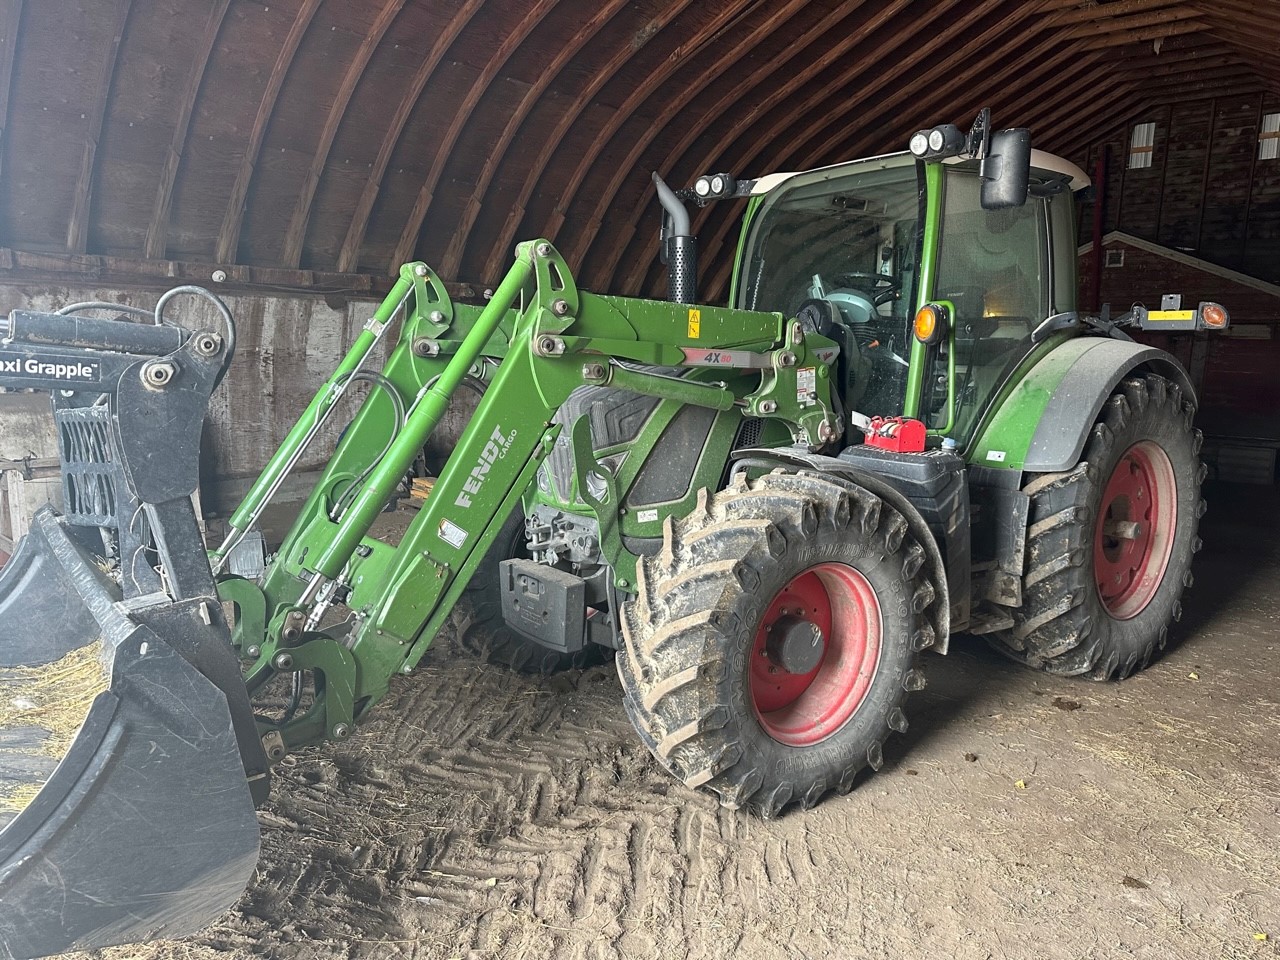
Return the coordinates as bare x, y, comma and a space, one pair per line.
679, 246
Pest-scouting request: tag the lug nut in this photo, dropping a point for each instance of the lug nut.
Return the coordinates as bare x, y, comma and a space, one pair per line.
283, 661
560, 307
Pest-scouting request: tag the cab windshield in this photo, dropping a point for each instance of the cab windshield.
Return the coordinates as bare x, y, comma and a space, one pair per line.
845, 236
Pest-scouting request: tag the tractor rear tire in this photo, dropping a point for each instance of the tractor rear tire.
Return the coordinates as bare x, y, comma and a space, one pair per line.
482, 632
802, 556
1110, 542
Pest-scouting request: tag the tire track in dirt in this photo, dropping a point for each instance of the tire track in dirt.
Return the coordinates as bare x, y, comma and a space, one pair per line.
481, 813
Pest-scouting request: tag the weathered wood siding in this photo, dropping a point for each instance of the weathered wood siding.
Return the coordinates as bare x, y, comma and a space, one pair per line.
287, 347
1206, 192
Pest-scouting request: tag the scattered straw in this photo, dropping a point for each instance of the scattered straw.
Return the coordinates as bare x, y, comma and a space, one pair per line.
55, 698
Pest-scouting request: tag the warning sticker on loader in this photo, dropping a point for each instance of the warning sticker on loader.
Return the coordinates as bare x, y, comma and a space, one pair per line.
807, 386
452, 534
695, 323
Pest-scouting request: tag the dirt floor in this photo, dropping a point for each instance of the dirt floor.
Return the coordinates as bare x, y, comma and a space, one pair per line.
483, 814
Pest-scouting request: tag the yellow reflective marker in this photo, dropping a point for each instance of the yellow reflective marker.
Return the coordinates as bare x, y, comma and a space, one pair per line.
1168, 316
695, 323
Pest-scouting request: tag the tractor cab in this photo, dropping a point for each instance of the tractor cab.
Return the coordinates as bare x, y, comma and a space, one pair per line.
859, 247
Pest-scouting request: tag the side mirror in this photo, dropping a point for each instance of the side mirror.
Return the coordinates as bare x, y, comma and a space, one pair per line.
1006, 169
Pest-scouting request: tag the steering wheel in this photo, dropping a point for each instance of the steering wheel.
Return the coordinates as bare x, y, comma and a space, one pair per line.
883, 289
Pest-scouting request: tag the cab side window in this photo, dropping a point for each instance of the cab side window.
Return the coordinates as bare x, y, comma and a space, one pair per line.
993, 266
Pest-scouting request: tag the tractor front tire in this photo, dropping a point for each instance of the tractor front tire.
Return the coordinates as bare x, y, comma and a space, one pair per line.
1110, 542
482, 632
774, 638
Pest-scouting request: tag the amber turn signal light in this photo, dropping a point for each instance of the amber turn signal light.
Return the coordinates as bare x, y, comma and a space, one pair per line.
930, 323
1214, 316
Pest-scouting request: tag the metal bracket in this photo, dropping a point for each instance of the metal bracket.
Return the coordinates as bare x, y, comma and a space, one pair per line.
433, 307
604, 507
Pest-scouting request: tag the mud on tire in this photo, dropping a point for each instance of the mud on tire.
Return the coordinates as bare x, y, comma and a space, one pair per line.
697, 618
477, 624
1069, 624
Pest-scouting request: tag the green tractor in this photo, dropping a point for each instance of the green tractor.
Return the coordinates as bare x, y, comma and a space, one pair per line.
767, 513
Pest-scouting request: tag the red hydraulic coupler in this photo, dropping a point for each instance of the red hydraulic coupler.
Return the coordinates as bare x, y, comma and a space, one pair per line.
898, 434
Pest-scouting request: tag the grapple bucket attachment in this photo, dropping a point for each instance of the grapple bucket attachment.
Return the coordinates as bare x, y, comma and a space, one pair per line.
129, 759
145, 827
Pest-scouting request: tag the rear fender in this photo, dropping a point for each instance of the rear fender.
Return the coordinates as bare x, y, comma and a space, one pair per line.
1043, 423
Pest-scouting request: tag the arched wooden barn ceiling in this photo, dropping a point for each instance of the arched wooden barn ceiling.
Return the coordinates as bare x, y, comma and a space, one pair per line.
344, 136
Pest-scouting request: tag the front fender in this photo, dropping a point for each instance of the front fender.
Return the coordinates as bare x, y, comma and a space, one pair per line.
1044, 422
797, 458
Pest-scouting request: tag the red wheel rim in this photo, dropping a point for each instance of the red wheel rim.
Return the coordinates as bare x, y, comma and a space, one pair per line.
1133, 536
804, 709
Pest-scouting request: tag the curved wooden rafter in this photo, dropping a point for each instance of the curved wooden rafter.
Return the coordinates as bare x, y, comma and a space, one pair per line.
555, 137
905, 55
158, 228
349, 254
452, 262
883, 116
566, 107
982, 75
728, 56
233, 219
82, 198
635, 98
1112, 26
296, 234
777, 93
444, 150
818, 105
1124, 100
1087, 13
1079, 88
1032, 66
1062, 67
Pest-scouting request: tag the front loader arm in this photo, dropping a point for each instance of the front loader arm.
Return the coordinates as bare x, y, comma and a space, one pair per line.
553, 339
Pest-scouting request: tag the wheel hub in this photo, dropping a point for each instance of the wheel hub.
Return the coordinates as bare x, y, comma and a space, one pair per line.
815, 654
795, 644
1134, 535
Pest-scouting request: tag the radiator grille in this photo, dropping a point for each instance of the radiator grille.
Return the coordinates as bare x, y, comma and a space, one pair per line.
748, 433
